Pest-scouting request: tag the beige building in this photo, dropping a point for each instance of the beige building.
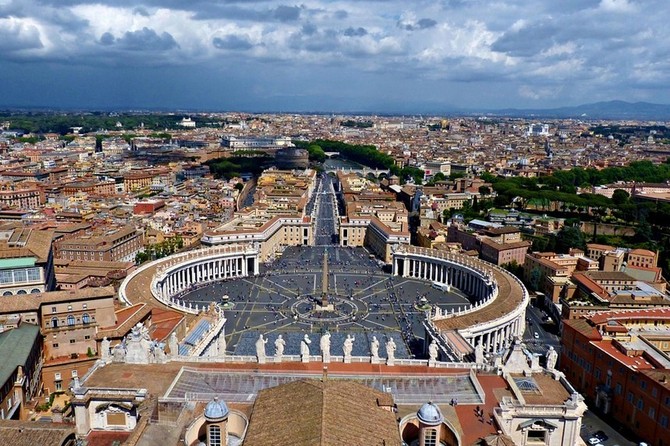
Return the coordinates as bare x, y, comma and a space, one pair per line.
108, 245
26, 260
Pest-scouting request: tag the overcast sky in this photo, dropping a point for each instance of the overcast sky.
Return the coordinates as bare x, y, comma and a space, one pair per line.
332, 55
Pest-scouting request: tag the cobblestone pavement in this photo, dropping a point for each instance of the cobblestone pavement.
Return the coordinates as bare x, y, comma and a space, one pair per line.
285, 298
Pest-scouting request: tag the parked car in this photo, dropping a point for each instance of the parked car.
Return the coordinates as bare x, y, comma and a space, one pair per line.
594, 441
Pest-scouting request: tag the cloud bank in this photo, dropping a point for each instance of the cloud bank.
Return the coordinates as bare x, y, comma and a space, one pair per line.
332, 54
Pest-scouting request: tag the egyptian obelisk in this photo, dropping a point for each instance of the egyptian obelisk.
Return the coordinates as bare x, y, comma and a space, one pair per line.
324, 281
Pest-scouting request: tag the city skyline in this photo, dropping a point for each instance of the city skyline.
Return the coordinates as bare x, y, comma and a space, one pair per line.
368, 56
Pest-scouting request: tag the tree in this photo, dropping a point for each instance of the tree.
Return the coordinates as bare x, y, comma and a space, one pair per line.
569, 237
239, 187
439, 177
620, 196
484, 190
514, 268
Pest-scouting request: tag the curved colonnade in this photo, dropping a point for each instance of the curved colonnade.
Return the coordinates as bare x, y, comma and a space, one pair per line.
173, 275
498, 299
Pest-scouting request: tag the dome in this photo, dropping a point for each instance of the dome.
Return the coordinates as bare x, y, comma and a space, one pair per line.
430, 414
216, 410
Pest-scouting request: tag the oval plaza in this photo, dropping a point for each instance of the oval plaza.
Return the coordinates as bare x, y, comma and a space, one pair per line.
417, 346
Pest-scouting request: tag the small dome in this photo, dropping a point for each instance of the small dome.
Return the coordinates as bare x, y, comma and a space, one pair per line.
216, 410
430, 414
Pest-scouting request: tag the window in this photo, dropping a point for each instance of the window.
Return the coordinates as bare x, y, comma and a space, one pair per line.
664, 421
74, 374
618, 389
630, 397
640, 403
55, 345
86, 318
54, 310
58, 385
84, 306
214, 436
72, 341
69, 308
57, 376
70, 320
87, 337
652, 413
537, 436
430, 437
54, 322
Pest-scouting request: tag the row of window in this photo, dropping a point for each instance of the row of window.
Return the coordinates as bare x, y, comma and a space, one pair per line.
70, 321
22, 275
33, 291
69, 308
72, 341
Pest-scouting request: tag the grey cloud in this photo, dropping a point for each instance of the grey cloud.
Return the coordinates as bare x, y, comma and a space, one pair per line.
19, 37
232, 42
145, 39
355, 32
416, 26
426, 23
341, 14
281, 13
526, 41
286, 13
308, 29
141, 11
107, 39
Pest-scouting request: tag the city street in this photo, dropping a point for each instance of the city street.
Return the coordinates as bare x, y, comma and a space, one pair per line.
325, 213
591, 424
544, 339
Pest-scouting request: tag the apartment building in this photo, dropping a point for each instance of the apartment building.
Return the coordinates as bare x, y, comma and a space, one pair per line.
620, 362
103, 244
26, 260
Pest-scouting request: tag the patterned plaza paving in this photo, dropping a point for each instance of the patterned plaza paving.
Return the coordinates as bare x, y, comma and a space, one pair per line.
372, 301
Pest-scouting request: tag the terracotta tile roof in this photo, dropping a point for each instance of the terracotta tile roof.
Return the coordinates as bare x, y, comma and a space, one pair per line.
26, 433
102, 438
315, 412
584, 327
510, 295
32, 302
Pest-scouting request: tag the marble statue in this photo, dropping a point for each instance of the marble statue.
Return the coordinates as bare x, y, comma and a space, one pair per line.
158, 353
348, 346
432, 351
280, 343
374, 348
173, 345
104, 349
260, 348
325, 346
119, 353
390, 351
552, 358
479, 353
138, 345
304, 348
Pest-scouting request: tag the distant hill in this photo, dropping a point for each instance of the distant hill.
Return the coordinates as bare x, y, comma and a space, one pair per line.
597, 110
